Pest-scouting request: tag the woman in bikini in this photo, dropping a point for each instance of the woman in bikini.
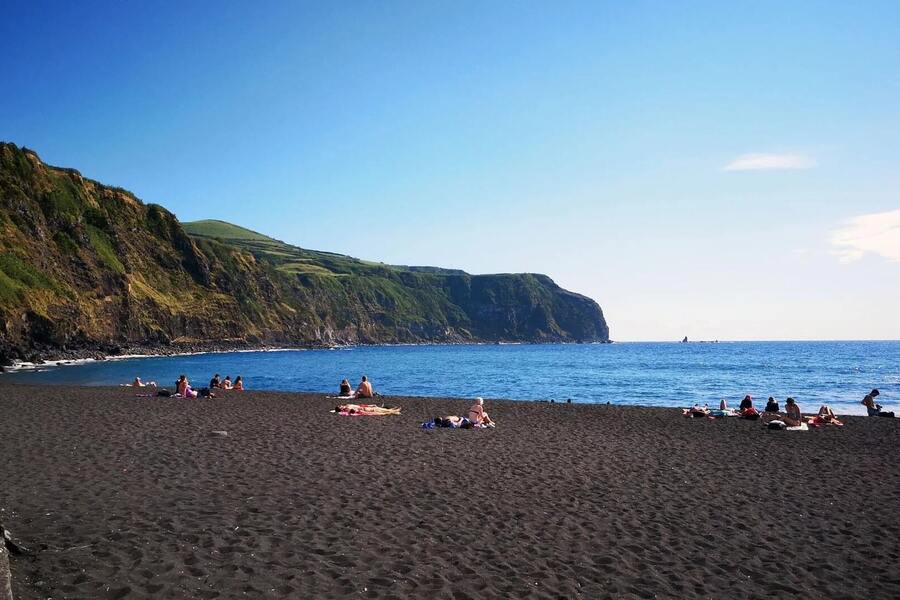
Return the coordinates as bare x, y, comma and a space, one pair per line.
477, 414
367, 409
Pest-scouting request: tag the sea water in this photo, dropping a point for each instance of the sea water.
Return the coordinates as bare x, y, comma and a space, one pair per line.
657, 374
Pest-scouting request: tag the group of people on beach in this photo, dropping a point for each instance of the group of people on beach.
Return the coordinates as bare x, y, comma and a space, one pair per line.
790, 417
183, 387
363, 390
477, 417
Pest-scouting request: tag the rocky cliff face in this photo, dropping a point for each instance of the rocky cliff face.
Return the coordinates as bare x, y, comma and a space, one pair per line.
89, 268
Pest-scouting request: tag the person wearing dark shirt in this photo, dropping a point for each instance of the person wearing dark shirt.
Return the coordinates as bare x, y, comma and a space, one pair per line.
874, 410
772, 405
215, 382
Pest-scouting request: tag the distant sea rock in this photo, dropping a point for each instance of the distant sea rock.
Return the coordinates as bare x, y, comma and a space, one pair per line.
88, 269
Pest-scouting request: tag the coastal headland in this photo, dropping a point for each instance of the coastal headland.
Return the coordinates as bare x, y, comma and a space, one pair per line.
88, 270
125, 496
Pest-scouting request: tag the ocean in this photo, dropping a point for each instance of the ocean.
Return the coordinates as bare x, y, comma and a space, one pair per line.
653, 374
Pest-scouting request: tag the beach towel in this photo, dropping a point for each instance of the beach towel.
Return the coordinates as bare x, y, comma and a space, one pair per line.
800, 427
718, 414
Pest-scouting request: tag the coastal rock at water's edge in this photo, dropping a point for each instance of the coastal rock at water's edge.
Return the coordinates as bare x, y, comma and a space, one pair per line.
88, 269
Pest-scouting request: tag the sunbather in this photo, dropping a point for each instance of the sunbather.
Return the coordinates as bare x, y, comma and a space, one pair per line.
365, 389
477, 414
366, 409
183, 387
138, 383
453, 422
697, 411
825, 416
346, 390
226, 383
792, 417
772, 405
239, 383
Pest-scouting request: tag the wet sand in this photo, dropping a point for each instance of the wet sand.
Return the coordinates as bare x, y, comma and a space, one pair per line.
131, 497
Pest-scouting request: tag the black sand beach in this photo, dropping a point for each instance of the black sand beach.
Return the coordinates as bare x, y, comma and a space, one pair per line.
132, 497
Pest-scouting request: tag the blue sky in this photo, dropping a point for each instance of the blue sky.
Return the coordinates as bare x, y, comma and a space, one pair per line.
716, 170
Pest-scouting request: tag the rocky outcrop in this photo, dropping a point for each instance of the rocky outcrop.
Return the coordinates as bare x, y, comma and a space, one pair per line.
87, 268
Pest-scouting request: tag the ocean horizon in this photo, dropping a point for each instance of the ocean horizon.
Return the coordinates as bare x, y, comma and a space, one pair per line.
838, 373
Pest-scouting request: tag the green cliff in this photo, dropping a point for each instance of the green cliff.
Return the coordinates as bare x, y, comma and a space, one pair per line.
87, 268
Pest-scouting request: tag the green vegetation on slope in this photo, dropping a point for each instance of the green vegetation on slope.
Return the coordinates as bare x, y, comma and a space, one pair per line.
85, 266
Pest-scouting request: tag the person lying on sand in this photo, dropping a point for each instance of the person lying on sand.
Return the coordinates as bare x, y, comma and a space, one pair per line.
825, 416
138, 383
346, 390
453, 422
365, 389
696, 411
366, 409
826, 413
477, 414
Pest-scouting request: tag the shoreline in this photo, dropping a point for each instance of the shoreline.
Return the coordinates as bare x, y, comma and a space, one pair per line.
567, 500
75, 357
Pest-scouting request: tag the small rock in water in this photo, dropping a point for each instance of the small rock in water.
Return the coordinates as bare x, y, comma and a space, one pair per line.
222, 433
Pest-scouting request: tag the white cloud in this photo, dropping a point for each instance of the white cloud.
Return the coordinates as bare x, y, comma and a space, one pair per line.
767, 162
876, 233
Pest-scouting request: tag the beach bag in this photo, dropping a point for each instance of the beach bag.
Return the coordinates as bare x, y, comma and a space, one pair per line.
163, 393
750, 413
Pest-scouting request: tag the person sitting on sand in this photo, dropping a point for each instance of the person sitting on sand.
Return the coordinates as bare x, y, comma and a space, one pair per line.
215, 382
874, 410
138, 383
477, 414
747, 402
365, 389
239, 383
723, 405
183, 387
367, 409
226, 383
346, 389
772, 405
793, 417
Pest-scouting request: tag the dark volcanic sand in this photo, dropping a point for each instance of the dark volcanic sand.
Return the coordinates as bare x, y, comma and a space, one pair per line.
132, 497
